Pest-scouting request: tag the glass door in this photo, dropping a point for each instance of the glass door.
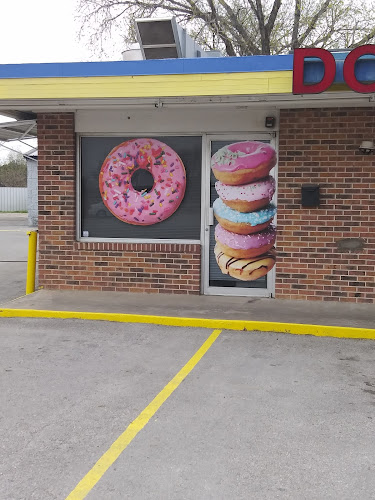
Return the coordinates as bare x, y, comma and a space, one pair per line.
215, 281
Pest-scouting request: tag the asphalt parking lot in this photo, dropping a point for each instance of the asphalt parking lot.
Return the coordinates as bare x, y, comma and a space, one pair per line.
13, 255
260, 416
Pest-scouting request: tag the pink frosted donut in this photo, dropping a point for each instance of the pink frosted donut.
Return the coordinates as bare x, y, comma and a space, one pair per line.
247, 197
243, 162
142, 207
244, 246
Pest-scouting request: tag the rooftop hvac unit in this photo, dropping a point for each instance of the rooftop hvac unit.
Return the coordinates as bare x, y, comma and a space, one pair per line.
133, 53
165, 39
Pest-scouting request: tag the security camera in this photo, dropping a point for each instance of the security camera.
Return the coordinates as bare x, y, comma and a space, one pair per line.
367, 147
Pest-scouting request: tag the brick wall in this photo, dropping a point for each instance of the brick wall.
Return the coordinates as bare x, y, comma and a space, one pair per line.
321, 146
316, 146
65, 263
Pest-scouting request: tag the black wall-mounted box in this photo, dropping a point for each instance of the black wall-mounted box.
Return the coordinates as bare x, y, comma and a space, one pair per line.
310, 195
270, 122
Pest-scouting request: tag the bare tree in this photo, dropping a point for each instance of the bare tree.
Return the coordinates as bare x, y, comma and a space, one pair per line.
13, 171
240, 27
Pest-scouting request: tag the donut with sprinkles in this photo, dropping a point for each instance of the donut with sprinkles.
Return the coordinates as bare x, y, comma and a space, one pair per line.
147, 206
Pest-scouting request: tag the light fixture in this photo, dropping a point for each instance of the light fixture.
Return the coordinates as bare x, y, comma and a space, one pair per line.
367, 147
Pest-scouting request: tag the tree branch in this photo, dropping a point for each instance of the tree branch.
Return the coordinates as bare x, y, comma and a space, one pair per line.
313, 22
297, 16
272, 18
369, 37
264, 35
240, 28
227, 42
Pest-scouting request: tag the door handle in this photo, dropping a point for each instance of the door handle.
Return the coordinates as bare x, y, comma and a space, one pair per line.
210, 216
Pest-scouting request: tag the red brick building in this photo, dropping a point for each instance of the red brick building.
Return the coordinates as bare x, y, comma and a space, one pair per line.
324, 252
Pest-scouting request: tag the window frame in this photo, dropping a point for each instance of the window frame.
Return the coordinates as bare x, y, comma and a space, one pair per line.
88, 239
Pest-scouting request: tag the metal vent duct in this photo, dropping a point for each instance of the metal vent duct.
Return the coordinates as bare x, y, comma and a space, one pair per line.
165, 39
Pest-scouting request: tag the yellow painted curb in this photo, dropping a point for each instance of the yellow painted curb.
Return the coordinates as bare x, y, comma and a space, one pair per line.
223, 324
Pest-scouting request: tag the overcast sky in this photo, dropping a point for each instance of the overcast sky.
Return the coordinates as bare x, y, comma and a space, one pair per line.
36, 31
39, 31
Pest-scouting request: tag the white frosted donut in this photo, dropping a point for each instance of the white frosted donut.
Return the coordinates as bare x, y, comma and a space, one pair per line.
247, 197
243, 162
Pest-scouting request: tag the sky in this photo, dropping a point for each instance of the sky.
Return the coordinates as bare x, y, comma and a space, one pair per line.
36, 31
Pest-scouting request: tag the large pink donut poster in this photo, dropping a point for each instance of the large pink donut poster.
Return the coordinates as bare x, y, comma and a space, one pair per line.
244, 210
166, 177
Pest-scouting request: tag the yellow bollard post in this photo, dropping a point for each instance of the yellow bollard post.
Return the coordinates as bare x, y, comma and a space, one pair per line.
31, 262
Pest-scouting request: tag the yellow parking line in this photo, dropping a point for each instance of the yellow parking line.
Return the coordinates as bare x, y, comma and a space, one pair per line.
115, 450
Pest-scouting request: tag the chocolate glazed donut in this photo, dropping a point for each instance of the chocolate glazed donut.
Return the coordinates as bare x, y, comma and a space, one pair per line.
245, 269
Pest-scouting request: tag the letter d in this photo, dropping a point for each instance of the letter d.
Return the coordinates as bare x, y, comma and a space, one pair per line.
298, 65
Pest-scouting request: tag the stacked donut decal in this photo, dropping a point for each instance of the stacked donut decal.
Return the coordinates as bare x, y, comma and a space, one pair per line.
148, 206
244, 236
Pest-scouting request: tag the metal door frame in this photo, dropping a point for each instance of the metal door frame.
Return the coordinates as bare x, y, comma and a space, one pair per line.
206, 289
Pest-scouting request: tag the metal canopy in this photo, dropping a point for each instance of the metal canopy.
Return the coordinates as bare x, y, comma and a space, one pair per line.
18, 115
18, 130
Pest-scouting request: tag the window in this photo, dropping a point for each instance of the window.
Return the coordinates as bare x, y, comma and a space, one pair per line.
98, 222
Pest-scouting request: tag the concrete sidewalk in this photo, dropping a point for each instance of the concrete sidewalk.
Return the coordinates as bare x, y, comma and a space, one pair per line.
207, 307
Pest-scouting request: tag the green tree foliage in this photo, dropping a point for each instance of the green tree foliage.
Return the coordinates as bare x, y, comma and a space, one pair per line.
13, 171
240, 27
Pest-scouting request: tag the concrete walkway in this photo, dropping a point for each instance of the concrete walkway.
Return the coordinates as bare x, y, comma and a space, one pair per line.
13, 255
208, 307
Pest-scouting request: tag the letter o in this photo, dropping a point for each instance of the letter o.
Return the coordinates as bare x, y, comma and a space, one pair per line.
349, 65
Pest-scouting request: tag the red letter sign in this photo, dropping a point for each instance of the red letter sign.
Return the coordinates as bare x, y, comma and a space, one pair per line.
329, 71
349, 65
